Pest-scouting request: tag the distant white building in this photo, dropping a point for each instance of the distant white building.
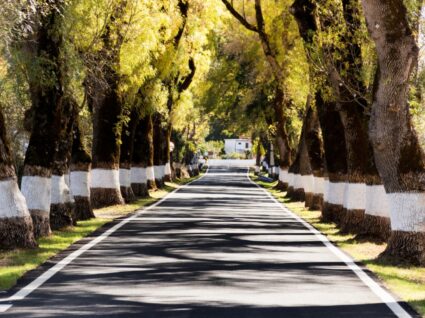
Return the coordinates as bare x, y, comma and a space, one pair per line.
237, 145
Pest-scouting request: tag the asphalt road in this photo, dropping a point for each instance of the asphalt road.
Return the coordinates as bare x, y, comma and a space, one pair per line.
218, 248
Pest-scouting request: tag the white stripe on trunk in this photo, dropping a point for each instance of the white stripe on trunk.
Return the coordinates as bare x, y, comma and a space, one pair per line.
326, 190
150, 174
138, 175
60, 191
308, 183
105, 179
407, 211
67, 179
319, 185
298, 181
80, 183
335, 193
157, 172
291, 180
167, 168
37, 192
12, 202
355, 196
377, 203
125, 175
283, 175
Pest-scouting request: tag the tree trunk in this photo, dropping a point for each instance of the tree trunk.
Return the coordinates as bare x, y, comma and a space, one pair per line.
80, 175
105, 186
285, 152
399, 157
104, 100
312, 170
142, 177
47, 99
335, 156
335, 159
300, 164
158, 141
167, 153
62, 202
126, 154
349, 90
16, 226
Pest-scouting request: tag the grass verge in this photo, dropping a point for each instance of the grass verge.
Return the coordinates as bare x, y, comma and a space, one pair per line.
14, 264
406, 282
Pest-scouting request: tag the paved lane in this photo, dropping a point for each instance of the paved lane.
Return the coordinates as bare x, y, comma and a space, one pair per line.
218, 248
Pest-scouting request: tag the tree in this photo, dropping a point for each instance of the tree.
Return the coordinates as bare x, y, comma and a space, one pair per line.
16, 226
281, 100
47, 93
107, 106
399, 157
126, 154
62, 203
142, 164
80, 172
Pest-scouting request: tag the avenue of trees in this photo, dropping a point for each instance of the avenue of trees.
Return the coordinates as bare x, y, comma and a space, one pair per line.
101, 100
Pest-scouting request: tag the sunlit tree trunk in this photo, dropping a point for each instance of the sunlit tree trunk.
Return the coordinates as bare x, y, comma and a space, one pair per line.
399, 157
16, 226
47, 99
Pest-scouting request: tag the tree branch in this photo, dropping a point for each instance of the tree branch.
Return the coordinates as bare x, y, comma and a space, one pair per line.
265, 42
189, 78
239, 17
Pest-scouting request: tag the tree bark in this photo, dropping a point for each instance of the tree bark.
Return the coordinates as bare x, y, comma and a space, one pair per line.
126, 154
304, 13
350, 91
47, 99
335, 157
142, 173
80, 174
159, 142
399, 157
104, 100
16, 226
62, 202
312, 166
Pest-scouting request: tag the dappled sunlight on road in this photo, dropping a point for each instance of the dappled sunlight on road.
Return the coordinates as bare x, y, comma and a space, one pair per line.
217, 248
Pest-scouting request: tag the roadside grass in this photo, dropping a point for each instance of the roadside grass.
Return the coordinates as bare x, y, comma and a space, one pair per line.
406, 282
14, 264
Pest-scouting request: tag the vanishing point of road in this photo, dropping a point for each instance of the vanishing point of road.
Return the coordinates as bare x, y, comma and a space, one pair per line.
219, 247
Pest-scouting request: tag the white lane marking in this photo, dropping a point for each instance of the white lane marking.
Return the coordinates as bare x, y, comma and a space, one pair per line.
5, 304
385, 296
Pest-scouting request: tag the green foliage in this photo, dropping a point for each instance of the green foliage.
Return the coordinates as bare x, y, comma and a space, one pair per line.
257, 147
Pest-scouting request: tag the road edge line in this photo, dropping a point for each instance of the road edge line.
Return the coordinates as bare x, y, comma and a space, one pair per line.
378, 290
45, 276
